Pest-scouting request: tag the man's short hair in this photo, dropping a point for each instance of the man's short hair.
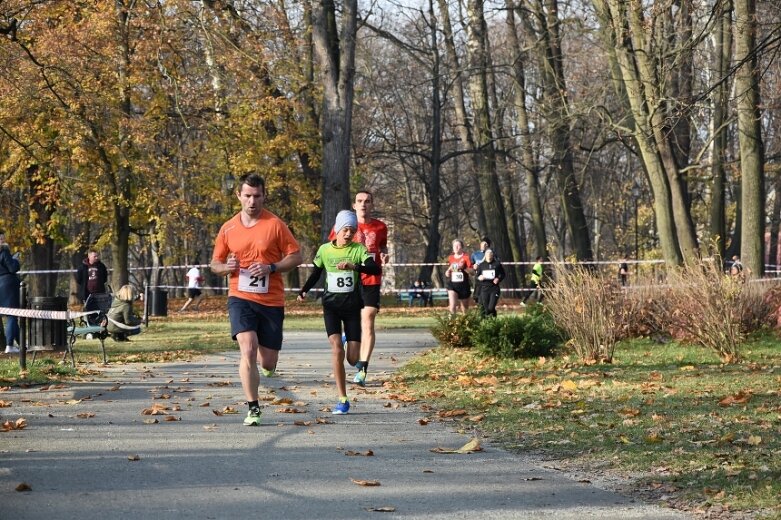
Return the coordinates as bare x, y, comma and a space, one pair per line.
486, 240
367, 192
253, 180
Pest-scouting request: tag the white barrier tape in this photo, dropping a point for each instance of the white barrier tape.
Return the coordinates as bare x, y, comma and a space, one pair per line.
44, 315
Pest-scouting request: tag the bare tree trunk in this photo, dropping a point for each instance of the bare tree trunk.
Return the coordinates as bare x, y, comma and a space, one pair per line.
335, 49
459, 106
433, 185
121, 173
44, 257
554, 86
488, 179
528, 162
752, 191
722, 53
775, 223
636, 84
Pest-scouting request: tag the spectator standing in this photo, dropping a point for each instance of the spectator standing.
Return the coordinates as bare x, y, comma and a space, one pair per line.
623, 271
9, 293
91, 276
343, 261
457, 275
536, 282
254, 248
121, 312
194, 284
372, 233
489, 274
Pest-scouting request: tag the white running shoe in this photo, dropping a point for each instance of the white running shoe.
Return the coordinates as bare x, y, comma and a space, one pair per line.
11, 349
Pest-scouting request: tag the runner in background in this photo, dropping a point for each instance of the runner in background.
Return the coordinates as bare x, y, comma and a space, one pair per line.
194, 284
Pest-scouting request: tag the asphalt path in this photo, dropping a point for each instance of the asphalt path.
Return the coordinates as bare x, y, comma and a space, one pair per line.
89, 452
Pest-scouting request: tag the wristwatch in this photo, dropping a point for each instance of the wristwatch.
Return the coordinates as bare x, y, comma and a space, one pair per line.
272, 268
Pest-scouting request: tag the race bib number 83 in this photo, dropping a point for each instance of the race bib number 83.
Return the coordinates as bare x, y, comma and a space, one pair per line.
252, 284
341, 282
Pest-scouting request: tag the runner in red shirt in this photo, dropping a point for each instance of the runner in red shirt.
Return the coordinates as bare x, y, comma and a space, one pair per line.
457, 276
372, 233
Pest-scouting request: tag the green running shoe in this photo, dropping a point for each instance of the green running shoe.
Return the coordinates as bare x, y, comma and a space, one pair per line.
253, 417
360, 378
268, 373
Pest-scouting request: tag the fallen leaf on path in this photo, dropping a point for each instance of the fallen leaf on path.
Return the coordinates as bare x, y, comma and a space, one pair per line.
351, 453
6, 404
282, 400
290, 410
19, 424
156, 409
302, 423
470, 447
366, 483
151, 421
477, 418
383, 509
23, 486
422, 422
171, 418
85, 415
210, 427
133, 457
229, 410
323, 420
452, 413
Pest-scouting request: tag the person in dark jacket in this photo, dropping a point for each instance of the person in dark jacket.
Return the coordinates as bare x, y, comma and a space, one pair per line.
121, 312
490, 274
91, 276
9, 293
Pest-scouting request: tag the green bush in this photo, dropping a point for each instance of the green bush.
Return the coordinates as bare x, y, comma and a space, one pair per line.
456, 330
530, 335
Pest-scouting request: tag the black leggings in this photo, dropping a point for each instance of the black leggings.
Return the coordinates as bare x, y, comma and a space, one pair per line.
489, 296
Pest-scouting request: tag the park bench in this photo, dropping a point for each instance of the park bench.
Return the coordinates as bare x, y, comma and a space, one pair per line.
436, 295
95, 325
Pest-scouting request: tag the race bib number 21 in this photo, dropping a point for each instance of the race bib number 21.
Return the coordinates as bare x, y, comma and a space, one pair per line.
252, 284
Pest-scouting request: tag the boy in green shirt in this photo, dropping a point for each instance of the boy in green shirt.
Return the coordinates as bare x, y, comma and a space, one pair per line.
342, 260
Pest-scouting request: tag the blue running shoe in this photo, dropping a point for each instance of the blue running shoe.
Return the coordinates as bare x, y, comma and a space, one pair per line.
341, 408
360, 378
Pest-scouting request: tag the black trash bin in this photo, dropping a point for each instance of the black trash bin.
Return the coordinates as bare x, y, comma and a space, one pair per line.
46, 334
158, 302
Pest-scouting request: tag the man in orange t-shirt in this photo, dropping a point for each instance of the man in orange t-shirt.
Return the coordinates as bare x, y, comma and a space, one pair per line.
254, 248
372, 233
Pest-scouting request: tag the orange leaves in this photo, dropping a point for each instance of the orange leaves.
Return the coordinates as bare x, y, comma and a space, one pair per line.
156, 409
19, 424
470, 447
351, 453
227, 410
452, 413
5, 404
365, 483
738, 398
